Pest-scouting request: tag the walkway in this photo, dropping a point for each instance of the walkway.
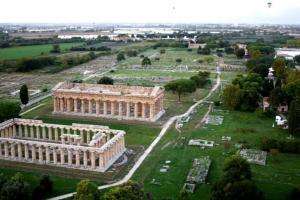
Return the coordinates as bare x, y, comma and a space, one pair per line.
163, 131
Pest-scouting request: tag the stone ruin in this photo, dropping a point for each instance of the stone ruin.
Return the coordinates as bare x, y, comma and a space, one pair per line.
214, 120
198, 173
254, 156
77, 146
201, 143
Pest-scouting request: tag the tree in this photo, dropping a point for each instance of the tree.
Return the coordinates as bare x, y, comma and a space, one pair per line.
162, 51
294, 116
15, 188
280, 69
178, 60
204, 51
106, 81
127, 191
132, 53
86, 190
231, 97
236, 169
181, 86
240, 53
24, 94
297, 59
47, 184
55, 48
120, 57
9, 109
146, 61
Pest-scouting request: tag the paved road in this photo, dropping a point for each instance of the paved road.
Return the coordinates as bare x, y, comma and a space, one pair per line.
163, 131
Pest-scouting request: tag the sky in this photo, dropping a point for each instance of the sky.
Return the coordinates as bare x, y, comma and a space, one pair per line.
150, 11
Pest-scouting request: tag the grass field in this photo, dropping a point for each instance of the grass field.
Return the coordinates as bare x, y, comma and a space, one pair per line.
276, 179
30, 51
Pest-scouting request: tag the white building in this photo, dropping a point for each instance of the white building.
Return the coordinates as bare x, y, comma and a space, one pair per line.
287, 53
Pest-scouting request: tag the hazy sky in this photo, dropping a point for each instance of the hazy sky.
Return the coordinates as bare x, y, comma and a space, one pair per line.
147, 11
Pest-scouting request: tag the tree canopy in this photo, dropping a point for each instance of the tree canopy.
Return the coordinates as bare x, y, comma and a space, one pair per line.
146, 61
24, 96
181, 86
106, 81
86, 190
9, 109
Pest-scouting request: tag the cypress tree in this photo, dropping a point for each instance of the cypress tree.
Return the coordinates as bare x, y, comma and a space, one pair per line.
24, 94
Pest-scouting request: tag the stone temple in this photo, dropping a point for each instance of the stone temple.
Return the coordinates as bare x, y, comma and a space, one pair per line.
109, 101
78, 146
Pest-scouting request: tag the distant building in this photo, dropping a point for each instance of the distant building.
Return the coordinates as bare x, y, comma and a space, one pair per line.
194, 45
243, 46
287, 53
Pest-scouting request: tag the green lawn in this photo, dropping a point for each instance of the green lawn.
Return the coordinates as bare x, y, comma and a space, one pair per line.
276, 179
30, 51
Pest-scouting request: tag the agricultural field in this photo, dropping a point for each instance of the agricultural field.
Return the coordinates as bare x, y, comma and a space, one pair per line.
31, 51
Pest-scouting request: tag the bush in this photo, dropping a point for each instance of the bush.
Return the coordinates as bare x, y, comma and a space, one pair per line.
283, 146
106, 81
9, 109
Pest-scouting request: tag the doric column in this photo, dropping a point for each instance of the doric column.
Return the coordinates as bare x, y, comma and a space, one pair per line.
31, 132
82, 106
56, 134
41, 159
62, 156
20, 151
112, 108
20, 132
47, 154
9, 132
55, 104
26, 131
104, 108
77, 158
90, 107
81, 135
97, 107
70, 155
33, 153
127, 109
85, 158
75, 106
61, 104
143, 110
6, 132
136, 110
14, 131
120, 109
50, 133
37, 130
6, 149
68, 105
63, 141
44, 132
152, 111
93, 164
101, 160
54, 156
88, 136
0, 149
26, 151
12, 150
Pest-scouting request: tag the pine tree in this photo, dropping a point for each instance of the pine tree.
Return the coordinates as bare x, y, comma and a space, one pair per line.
24, 94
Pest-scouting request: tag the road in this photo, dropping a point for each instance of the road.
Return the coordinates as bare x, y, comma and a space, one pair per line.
163, 131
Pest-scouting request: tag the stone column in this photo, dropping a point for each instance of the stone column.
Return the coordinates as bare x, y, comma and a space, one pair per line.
101, 160
50, 133
70, 155
26, 151
12, 150
14, 131
90, 107
31, 132
26, 131
84, 158
44, 132
54, 156
20, 151
77, 158
20, 132
47, 154
120, 109
33, 153
41, 159
0, 149
55, 104
112, 108
75, 106
6, 149
88, 136
127, 109
68, 105
61, 104
93, 164
152, 111
56, 134
82, 106
136, 110
97, 107
10, 132
6, 132
37, 129
62, 156
81, 135
104, 108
